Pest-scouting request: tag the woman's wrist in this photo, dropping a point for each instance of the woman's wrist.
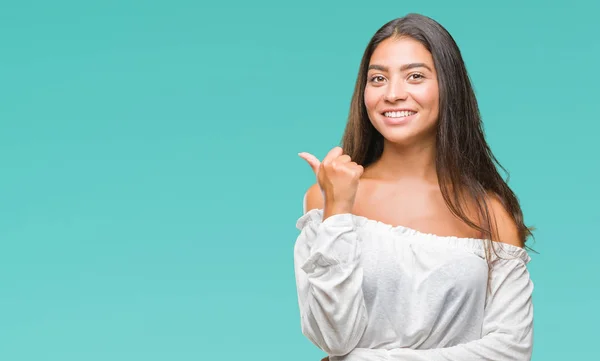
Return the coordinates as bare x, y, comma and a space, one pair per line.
336, 208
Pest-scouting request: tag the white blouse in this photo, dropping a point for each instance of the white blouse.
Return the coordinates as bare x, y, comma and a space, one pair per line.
370, 291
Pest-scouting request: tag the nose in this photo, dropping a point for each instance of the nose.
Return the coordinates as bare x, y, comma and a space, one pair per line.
395, 91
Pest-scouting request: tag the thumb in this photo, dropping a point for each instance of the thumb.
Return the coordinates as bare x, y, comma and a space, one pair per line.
313, 161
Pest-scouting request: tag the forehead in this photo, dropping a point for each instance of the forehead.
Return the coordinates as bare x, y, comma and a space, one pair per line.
400, 51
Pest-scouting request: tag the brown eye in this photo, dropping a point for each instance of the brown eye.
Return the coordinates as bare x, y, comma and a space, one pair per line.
377, 79
416, 76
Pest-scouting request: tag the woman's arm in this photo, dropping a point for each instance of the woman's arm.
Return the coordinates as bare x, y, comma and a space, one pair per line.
329, 281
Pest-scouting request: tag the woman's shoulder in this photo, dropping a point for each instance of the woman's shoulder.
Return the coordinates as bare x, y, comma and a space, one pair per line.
502, 222
313, 198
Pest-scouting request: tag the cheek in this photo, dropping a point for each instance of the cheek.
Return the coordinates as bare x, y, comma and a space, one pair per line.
370, 99
428, 98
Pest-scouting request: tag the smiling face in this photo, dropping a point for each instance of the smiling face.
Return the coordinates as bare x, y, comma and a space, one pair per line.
401, 93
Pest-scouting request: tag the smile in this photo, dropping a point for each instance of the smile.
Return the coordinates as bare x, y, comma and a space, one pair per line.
400, 114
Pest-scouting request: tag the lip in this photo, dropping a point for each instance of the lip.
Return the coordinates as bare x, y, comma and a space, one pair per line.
398, 121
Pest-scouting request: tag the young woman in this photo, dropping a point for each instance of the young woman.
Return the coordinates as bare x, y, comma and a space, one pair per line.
411, 245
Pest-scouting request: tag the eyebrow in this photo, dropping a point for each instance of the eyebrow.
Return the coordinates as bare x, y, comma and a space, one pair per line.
402, 68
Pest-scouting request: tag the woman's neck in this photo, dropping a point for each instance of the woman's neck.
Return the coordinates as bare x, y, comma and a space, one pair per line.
398, 163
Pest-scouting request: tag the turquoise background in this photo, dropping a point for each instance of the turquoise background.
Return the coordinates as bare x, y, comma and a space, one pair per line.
150, 180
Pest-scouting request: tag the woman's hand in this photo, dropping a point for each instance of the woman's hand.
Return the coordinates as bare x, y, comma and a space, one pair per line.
338, 177
326, 358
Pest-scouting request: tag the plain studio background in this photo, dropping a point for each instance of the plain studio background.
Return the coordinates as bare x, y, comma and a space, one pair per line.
150, 179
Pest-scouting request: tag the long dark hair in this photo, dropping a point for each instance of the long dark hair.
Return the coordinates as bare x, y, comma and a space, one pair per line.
464, 162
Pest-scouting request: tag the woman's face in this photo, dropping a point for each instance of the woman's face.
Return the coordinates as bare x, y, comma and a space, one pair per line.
401, 95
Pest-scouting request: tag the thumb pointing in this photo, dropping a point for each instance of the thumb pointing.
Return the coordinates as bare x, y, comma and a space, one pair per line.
311, 160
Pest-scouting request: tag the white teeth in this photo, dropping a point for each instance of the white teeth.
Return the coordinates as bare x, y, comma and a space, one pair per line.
401, 114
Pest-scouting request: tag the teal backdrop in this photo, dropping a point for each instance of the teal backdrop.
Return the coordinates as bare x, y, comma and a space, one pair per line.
150, 182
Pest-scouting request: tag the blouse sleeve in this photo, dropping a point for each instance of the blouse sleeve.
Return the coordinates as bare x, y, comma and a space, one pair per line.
329, 282
507, 333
